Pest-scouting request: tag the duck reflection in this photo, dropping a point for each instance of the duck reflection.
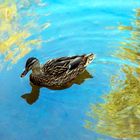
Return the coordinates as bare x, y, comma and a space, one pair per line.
33, 96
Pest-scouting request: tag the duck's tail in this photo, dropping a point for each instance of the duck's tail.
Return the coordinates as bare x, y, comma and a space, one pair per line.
89, 58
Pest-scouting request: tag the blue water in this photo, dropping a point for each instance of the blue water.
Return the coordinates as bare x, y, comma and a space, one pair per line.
76, 27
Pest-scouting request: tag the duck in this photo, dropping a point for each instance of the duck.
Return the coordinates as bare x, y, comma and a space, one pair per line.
57, 71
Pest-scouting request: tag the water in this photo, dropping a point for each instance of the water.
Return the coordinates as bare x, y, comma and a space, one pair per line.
55, 28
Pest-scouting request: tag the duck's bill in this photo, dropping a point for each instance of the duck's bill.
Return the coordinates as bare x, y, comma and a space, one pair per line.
23, 73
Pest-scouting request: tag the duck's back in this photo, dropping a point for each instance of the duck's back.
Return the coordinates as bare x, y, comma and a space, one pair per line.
59, 71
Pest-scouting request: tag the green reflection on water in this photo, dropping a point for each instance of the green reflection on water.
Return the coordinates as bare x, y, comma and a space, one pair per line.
119, 115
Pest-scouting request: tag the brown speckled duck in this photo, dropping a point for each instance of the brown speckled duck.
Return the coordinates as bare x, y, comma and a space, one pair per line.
56, 72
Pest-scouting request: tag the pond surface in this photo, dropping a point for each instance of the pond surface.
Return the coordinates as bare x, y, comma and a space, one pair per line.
105, 103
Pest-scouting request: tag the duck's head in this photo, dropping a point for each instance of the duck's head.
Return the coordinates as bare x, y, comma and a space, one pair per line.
31, 64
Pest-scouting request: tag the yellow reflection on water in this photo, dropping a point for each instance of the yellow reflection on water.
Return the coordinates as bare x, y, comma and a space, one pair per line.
119, 115
14, 42
122, 27
8, 11
138, 12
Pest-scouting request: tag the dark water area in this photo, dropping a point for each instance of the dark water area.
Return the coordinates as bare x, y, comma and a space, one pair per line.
101, 104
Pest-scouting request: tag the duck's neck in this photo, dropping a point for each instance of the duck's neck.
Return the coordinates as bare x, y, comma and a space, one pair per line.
37, 69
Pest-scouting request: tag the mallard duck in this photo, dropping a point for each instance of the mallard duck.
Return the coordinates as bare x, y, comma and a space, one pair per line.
56, 72
33, 96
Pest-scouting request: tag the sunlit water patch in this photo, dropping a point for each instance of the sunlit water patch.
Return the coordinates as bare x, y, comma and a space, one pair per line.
17, 23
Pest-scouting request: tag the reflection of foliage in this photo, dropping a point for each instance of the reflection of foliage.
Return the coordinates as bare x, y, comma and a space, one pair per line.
119, 115
130, 49
16, 30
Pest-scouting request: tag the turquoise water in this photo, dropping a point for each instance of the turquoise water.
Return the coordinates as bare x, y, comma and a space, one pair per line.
62, 28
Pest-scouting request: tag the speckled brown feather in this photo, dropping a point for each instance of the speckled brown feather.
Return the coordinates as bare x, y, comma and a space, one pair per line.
57, 72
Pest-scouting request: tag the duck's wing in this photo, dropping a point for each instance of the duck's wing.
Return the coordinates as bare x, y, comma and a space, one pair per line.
60, 65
